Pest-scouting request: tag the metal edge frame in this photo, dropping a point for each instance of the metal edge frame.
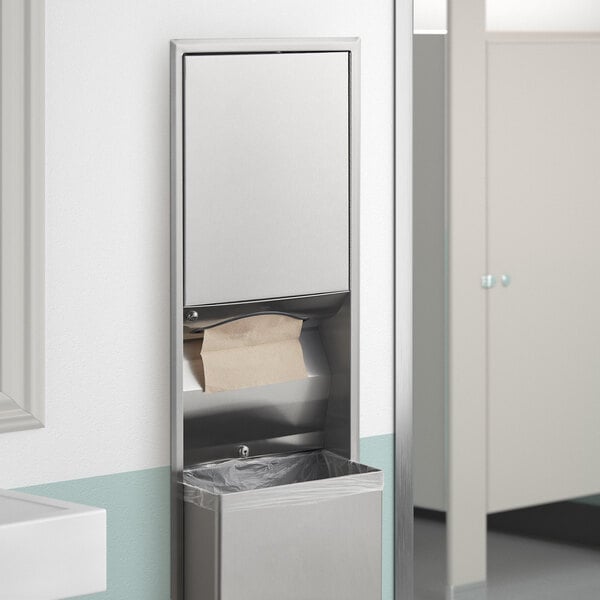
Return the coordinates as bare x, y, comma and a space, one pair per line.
179, 48
403, 413
353, 46
176, 281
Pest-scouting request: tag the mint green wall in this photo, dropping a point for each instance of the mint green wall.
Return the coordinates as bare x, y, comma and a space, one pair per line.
138, 523
378, 451
137, 505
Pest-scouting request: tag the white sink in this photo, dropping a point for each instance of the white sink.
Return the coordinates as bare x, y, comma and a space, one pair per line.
50, 549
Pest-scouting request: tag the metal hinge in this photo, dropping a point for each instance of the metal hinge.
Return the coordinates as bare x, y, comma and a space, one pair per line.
488, 281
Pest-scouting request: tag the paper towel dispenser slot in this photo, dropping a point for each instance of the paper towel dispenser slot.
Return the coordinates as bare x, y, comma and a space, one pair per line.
203, 326
290, 414
266, 175
321, 306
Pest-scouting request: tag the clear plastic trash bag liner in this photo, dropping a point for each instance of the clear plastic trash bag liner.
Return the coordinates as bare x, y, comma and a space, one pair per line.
300, 478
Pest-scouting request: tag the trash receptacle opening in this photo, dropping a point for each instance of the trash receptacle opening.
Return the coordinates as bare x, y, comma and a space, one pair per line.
240, 475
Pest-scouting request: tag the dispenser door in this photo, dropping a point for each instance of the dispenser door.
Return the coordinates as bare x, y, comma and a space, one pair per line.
266, 175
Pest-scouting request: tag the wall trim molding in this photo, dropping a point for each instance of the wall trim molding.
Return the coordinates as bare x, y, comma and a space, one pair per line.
22, 240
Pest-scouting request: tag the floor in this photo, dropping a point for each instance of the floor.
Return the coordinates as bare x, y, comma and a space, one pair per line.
519, 568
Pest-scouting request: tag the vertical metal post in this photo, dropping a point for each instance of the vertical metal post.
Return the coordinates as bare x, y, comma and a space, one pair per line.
403, 561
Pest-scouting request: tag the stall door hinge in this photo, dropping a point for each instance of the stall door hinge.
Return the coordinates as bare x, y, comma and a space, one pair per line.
488, 281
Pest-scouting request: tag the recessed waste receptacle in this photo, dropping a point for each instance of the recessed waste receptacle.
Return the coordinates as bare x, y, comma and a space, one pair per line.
302, 526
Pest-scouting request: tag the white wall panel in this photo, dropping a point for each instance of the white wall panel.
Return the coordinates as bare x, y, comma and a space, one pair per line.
543, 15
430, 15
519, 15
107, 168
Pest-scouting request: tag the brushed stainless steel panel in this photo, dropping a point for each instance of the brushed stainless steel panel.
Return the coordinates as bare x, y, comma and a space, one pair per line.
266, 175
176, 338
201, 553
317, 539
329, 550
403, 266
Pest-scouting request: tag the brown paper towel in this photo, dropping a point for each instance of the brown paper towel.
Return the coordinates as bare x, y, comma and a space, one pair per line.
253, 351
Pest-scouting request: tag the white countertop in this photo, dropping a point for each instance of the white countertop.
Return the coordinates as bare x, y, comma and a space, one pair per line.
50, 549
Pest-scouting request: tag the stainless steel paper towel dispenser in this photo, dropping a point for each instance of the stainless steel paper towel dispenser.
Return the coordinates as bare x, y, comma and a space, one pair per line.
267, 135
265, 186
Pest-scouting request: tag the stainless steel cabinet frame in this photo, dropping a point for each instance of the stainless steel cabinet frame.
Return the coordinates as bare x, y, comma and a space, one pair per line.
265, 218
403, 571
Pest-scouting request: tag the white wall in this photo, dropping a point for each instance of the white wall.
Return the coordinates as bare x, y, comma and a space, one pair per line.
519, 15
430, 15
107, 189
543, 15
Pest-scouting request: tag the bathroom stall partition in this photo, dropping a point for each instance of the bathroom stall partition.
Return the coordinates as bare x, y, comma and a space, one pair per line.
268, 499
507, 137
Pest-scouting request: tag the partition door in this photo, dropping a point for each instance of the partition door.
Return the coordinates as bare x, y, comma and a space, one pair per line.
524, 291
543, 130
